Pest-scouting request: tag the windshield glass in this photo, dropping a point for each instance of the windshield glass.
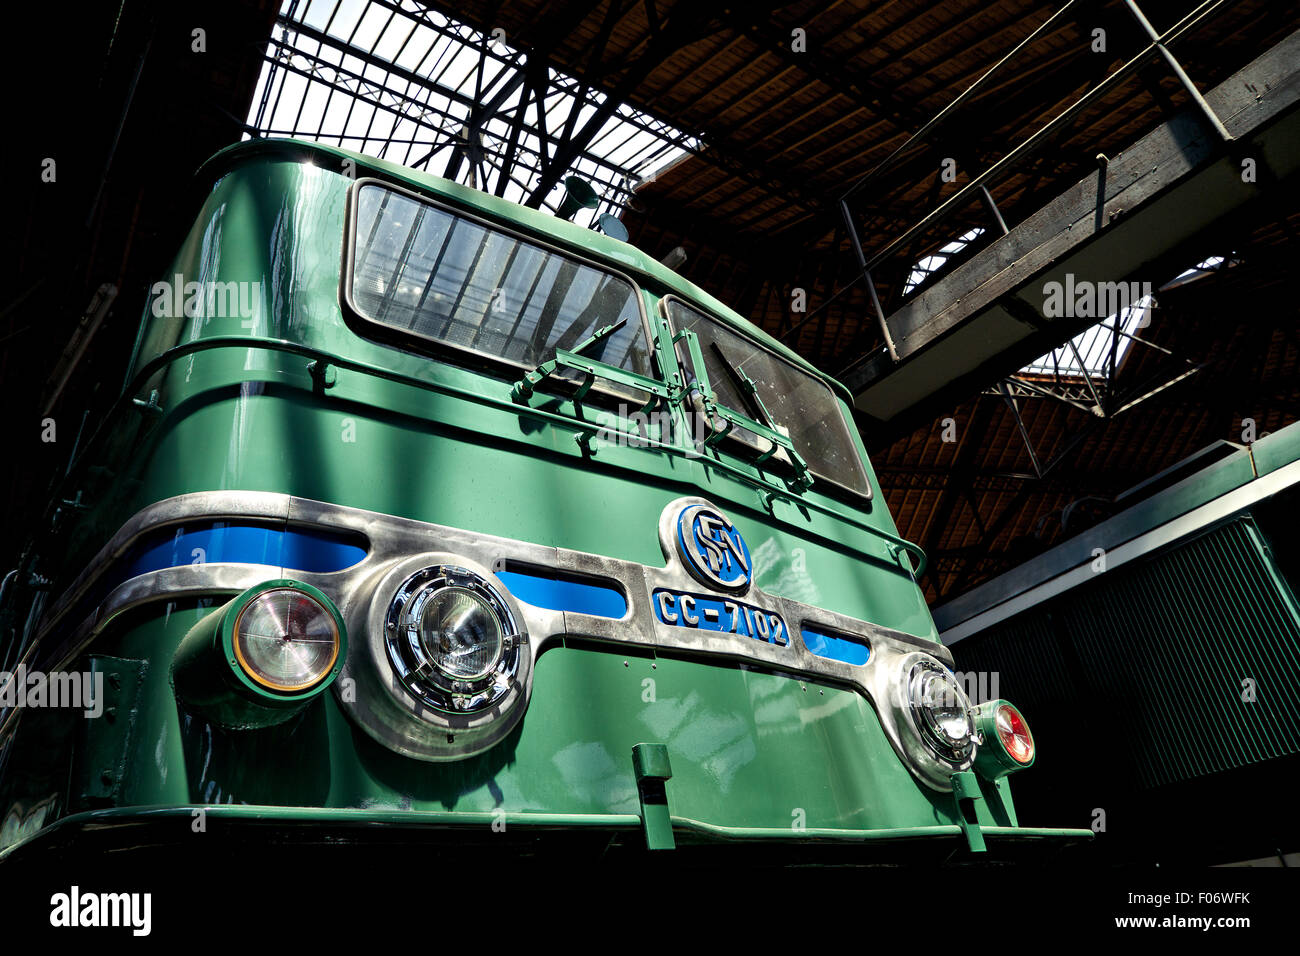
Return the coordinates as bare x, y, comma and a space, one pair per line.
800, 404
441, 276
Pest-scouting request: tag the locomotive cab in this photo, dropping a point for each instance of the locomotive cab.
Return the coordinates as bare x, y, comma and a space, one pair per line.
428, 510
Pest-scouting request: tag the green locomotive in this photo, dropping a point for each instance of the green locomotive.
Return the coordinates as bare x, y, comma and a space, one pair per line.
426, 509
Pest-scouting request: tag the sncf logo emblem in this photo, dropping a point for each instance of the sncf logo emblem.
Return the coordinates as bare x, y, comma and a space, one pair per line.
712, 549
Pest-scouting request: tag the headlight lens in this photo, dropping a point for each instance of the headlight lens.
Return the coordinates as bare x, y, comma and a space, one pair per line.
942, 711
452, 640
286, 640
461, 633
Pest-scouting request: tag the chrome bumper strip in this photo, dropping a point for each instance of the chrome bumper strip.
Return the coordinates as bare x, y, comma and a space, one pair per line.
394, 540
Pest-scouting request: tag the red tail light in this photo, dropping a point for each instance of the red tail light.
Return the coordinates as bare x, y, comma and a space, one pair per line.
1014, 734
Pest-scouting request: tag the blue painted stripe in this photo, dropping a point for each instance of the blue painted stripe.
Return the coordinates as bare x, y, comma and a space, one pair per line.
298, 549
557, 594
836, 648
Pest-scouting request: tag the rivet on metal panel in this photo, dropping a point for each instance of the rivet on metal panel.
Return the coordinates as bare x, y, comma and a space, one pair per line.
102, 746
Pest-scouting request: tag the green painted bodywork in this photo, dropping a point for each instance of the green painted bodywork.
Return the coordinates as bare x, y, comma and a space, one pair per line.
748, 749
752, 753
380, 446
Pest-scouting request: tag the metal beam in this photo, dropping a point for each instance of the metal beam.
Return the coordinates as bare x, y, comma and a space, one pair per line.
1146, 211
680, 31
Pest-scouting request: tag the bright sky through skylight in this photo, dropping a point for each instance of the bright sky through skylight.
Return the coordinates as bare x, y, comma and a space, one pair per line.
398, 81
933, 262
1094, 345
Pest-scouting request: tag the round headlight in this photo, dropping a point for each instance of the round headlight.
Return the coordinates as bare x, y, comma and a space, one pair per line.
461, 633
942, 711
452, 640
286, 640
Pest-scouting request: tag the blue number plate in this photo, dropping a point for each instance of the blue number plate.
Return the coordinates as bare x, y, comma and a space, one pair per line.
706, 613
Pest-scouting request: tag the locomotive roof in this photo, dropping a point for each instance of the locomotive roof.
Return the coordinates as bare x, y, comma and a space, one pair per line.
617, 254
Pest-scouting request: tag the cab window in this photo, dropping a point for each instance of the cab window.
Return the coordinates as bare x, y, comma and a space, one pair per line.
801, 405
430, 273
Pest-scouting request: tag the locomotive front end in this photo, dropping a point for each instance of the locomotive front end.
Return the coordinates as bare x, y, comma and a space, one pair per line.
427, 517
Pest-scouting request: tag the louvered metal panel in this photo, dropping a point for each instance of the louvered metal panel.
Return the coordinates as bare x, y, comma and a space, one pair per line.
1162, 648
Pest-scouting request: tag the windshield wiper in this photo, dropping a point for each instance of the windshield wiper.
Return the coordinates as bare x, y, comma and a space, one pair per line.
762, 425
591, 368
745, 385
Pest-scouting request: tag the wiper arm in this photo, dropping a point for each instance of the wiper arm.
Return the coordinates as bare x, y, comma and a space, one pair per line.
768, 428
745, 385
592, 368
524, 387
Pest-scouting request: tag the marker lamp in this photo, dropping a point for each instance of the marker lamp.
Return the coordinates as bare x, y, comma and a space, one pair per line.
261, 657
286, 640
1008, 744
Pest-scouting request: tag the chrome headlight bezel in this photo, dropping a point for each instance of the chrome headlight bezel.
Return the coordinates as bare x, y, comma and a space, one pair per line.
422, 711
935, 754
421, 673
937, 715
